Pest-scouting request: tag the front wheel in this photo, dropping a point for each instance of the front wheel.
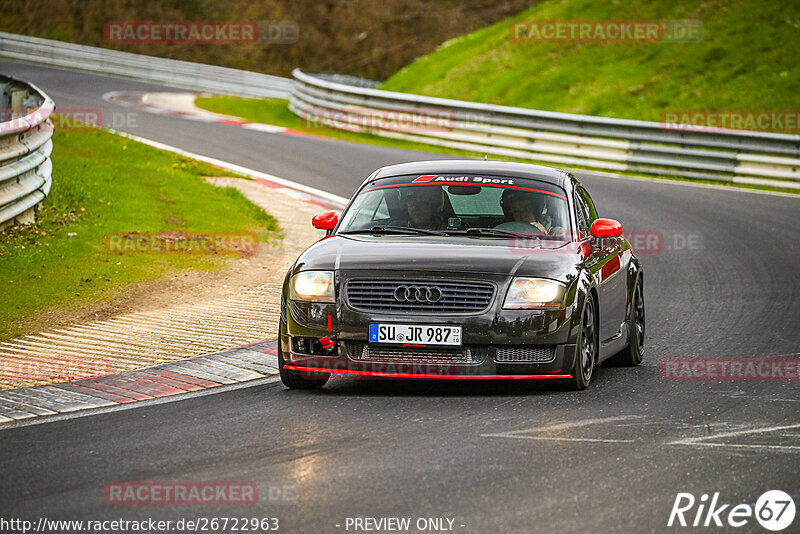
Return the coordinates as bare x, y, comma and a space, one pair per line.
586, 348
631, 355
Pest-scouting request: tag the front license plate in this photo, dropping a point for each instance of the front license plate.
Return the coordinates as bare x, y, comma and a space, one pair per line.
418, 334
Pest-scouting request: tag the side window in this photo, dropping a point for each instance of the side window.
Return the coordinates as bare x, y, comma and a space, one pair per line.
382, 211
368, 208
591, 211
582, 211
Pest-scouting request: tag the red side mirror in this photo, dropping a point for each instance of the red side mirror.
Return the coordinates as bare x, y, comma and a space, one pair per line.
606, 228
327, 220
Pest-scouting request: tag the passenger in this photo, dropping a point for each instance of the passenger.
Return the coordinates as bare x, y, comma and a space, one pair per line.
521, 206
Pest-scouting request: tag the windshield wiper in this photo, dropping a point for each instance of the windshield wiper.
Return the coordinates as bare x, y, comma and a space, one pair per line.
494, 232
406, 230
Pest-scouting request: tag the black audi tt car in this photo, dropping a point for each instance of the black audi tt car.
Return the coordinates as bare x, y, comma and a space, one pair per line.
463, 270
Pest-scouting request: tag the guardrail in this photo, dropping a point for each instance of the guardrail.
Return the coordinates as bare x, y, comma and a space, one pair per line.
25, 147
561, 138
172, 72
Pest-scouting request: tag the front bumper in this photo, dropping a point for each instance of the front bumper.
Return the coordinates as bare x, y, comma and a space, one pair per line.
488, 369
490, 335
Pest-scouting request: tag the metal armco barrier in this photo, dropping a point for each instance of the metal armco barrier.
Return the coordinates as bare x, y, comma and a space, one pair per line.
600, 143
182, 74
25, 147
649, 148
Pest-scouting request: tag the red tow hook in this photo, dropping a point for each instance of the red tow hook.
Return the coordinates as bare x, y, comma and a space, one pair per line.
326, 342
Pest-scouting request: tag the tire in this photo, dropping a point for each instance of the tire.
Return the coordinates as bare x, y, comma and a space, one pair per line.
585, 349
632, 355
297, 380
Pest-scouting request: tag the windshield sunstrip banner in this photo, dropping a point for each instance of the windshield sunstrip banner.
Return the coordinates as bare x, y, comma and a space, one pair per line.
524, 184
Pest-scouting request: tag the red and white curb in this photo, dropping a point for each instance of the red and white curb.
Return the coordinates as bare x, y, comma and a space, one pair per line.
226, 367
222, 369
181, 105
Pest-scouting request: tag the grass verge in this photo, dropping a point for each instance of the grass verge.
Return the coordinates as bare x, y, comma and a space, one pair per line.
745, 60
104, 184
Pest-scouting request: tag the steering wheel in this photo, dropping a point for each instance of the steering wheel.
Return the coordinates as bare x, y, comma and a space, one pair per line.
520, 227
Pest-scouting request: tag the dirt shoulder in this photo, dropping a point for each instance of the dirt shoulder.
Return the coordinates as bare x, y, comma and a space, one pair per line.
189, 313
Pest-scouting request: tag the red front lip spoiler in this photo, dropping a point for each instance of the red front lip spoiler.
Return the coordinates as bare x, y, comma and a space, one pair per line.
421, 375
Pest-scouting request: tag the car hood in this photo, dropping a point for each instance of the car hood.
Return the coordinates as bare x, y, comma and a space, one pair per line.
451, 254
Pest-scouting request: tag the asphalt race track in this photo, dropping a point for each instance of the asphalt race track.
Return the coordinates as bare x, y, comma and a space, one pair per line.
495, 457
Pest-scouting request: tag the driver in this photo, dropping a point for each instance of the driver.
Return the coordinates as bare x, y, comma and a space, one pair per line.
526, 207
425, 205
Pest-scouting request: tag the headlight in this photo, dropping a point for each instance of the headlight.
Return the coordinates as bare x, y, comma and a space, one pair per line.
535, 293
314, 286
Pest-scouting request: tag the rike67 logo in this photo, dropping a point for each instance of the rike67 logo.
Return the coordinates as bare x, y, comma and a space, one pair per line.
774, 510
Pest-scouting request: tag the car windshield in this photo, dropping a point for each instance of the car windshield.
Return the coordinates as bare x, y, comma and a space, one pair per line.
488, 210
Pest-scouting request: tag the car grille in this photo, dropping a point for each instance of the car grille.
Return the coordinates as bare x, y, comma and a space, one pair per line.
525, 354
358, 350
456, 297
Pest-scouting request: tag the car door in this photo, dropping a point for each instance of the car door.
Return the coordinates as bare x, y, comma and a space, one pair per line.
605, 264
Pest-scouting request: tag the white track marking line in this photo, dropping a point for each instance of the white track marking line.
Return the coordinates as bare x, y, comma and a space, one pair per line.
700, 441
742, 432
585, 422
742, 446
524, 434
704, 441
553, 438
330, 197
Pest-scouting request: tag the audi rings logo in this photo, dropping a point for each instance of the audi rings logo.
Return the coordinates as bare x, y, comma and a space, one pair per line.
421, 294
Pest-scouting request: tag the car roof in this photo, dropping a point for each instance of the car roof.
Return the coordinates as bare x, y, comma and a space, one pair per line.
476, 167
